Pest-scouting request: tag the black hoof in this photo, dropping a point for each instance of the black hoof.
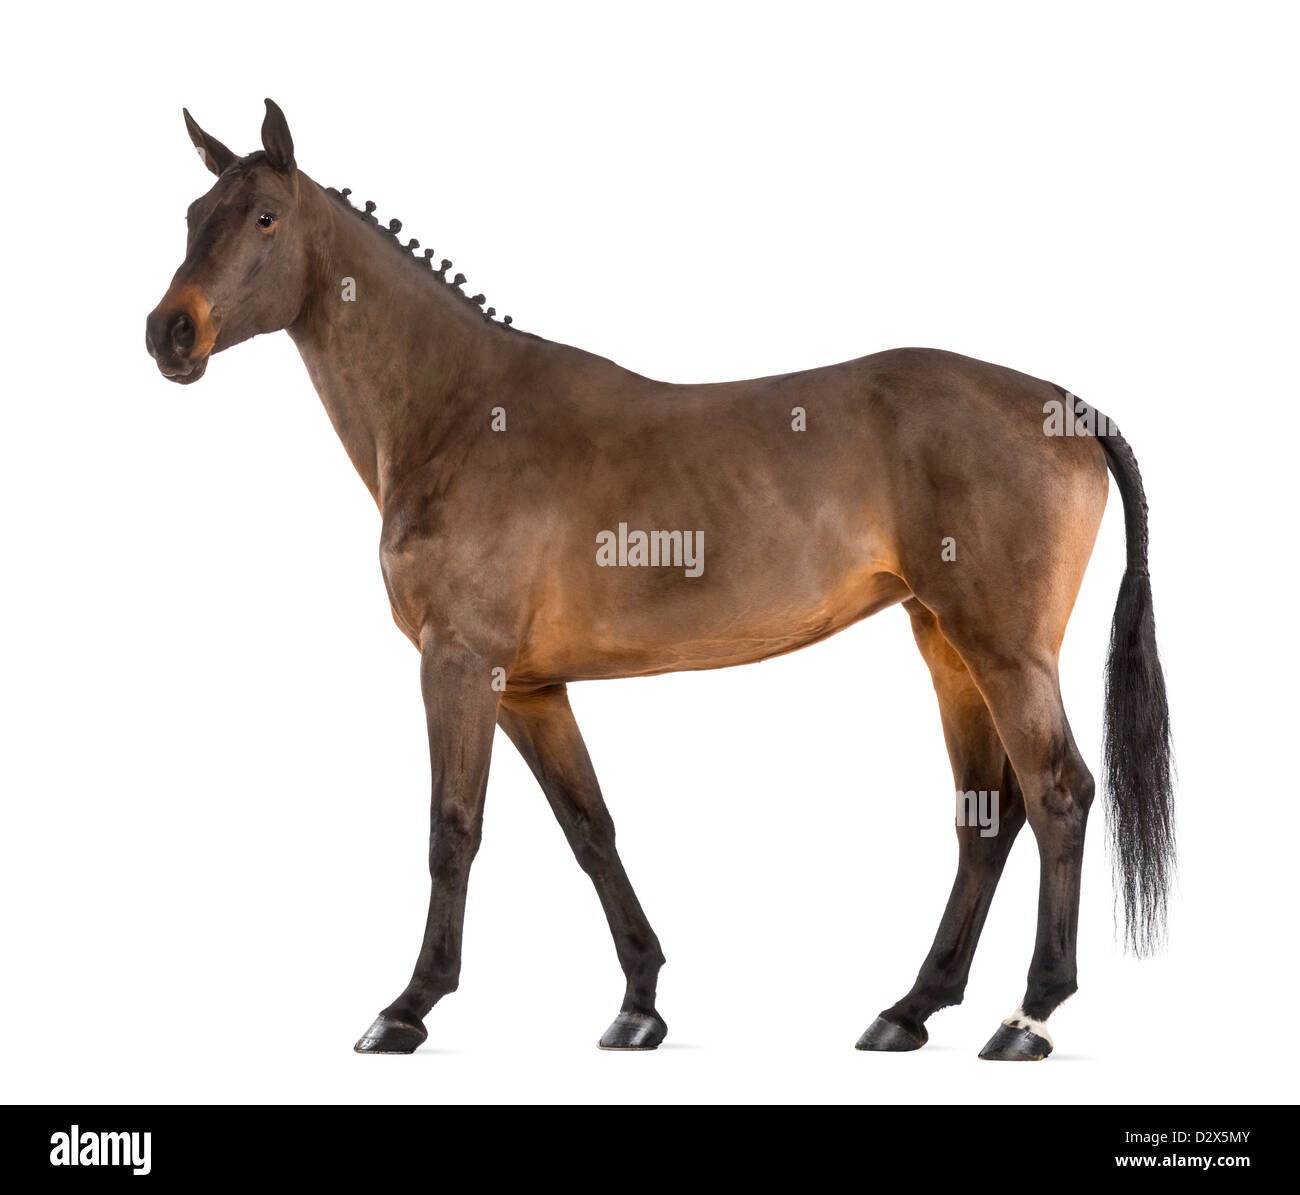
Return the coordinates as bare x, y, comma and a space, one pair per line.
388, 1035
1010, 1044
634, 1031
886, 1036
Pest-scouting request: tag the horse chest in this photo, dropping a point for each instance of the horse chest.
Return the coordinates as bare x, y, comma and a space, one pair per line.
435, 575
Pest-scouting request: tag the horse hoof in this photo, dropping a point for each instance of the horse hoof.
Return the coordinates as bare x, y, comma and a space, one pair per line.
885, 1036
389, 1035
1014, 1043
634, 1031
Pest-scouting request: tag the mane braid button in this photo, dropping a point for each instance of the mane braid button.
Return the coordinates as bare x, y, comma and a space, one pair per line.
393, 227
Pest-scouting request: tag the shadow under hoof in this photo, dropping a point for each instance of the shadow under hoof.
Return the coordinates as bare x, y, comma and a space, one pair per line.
388, 1035
634, 1031
1010, 1044
887, 1037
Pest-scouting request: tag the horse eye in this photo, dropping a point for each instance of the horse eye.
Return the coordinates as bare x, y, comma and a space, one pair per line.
265, 220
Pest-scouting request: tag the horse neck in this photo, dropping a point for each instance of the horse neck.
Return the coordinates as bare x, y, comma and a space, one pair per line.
399, 366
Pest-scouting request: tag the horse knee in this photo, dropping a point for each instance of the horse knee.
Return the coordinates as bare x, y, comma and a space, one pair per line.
453, 843
592, 839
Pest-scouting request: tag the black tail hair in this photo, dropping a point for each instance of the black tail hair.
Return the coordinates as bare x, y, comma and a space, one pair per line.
1137, 749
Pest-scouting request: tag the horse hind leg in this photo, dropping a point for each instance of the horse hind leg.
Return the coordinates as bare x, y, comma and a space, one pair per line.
1024, 698
979, 765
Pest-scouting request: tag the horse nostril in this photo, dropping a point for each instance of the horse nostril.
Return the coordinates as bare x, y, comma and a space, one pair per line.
182, 333
156, 334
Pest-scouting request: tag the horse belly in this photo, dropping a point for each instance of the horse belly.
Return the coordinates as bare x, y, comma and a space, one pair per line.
660, 627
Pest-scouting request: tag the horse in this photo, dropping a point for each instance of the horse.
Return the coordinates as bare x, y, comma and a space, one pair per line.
549, 516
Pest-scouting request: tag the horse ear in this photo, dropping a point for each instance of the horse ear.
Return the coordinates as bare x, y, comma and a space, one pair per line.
276, 139
216, 157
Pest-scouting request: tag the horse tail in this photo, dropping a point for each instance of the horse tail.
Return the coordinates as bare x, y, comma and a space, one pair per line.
1137, 748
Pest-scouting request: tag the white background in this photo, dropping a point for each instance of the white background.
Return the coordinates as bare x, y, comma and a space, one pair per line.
215, 789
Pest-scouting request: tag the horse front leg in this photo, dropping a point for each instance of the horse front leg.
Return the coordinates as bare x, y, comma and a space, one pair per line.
461, 706
542, 726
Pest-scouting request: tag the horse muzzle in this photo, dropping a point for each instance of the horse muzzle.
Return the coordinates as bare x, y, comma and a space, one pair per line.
180, 333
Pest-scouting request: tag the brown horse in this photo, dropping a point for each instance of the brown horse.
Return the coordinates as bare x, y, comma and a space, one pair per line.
549, 516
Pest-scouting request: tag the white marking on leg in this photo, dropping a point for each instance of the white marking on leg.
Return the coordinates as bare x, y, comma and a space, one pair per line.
1018, 1020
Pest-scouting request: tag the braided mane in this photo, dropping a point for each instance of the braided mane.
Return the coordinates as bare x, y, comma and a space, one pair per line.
392, 228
